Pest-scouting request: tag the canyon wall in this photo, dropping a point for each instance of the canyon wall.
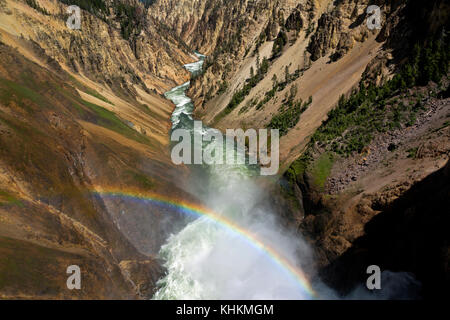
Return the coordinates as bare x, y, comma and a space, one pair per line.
82, 120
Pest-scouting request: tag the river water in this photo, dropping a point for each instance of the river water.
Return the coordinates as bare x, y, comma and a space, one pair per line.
209, 259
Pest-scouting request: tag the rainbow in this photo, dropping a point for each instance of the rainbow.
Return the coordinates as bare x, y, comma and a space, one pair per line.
224, 222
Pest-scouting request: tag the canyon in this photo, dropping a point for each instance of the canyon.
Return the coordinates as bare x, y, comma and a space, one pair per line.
85, 123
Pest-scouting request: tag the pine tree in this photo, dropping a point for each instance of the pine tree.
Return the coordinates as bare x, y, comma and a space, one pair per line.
275, 80
258, 61
286, 74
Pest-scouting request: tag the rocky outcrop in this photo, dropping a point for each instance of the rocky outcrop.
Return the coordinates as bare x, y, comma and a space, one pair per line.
143, 276
338, 29
409, 235
405, 25
227, 32
209, 25
151, 58
374, 205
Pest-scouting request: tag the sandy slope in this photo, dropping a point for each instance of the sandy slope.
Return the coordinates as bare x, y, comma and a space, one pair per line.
152, 120
324, 81
56, 150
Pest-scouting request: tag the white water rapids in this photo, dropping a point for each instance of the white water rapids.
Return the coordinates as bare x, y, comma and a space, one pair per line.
207, 260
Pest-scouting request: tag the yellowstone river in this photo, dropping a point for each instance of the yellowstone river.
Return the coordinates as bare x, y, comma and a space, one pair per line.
234, 249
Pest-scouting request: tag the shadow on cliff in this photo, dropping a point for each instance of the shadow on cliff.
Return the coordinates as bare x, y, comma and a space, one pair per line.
410, 235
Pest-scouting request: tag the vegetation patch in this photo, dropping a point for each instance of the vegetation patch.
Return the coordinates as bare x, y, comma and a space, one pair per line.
321, 169
131, 19
371, 109
27, 97
14, 92
289, 115
96, 7
351, 125
239, 96
142, 180
279, 86
37, 7
412, 153
89, 91
110, 120
146, 109
297, 169
7, 198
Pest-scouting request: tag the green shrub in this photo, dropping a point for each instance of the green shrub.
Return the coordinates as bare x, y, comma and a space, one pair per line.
37, 7
288, 116
251, 82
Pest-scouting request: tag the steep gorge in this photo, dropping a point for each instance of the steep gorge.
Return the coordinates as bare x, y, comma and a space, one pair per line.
236, 39
78, 191
326, 47
332, 51
82, 118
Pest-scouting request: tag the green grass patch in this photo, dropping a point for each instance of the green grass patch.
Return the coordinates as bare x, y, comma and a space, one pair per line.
97, 95
8, 199
219, 117
142, 180
297, 168
111, 121
88, 90
321, 169
14, 92
146, 109
29, 98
